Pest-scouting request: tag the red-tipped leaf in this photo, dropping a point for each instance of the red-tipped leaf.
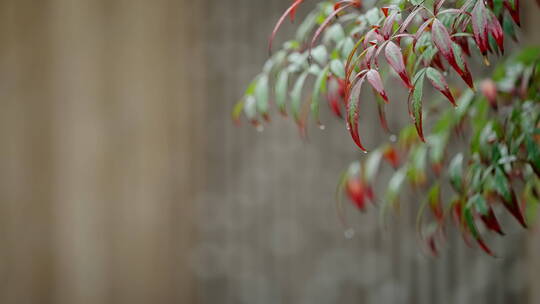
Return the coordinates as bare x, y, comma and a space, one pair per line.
439, 82
394, 56
353, 112
374, 78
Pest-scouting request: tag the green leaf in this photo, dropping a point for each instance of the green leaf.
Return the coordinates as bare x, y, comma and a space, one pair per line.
479, 203
281, 88
250, 107
372, 164
296, 95
318, 89
416, 103
337, 68
261, 94
320, 54
455, 171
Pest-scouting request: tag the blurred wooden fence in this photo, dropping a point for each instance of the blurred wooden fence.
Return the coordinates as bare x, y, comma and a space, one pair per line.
123, 180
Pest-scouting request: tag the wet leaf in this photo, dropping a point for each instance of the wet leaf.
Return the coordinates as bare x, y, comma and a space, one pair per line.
416, 104
439, 82
353, 112
281, 88
296, 95
394, 57
455, 172
318, 89
374, 78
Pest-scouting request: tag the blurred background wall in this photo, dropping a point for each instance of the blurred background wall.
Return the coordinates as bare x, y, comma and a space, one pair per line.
122, 179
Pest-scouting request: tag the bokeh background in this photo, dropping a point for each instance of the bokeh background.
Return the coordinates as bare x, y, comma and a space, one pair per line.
123, 180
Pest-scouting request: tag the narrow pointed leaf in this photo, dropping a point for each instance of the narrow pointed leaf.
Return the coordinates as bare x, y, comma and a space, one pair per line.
318, 89
296, 96
353, 112
409, 19
261, 94
394, 57
441, 39
389, 24
439, 82
455, 172
374, 78
281, 88
496, 31
469, 220
416, 105
480, 26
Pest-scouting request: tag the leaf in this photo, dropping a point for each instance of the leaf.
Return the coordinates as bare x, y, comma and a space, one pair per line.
496, 31
439, 82
374, 78
353, 112
296, 95
479, 22
503, 187
320, 54
250, 108
237, 110
318, 89
372, 165
437, 6
394, 188
281, 88
389, 24
469, 220
415, 98
455, 171
441, 39
290, 11
461, 66
337, 68
409, 19
421, 30
395, 60
513, 8
261, 95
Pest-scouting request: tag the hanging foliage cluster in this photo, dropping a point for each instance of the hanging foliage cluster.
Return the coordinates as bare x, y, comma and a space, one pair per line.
344, 47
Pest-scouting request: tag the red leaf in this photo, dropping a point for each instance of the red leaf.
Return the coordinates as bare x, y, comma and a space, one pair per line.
463, 42
480, 26
356, 191
491, 222
450, 51
442, 41
374, 78
514, 11
513, 207
290, 11
496, 30
390, 155
372, 37
395, 60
